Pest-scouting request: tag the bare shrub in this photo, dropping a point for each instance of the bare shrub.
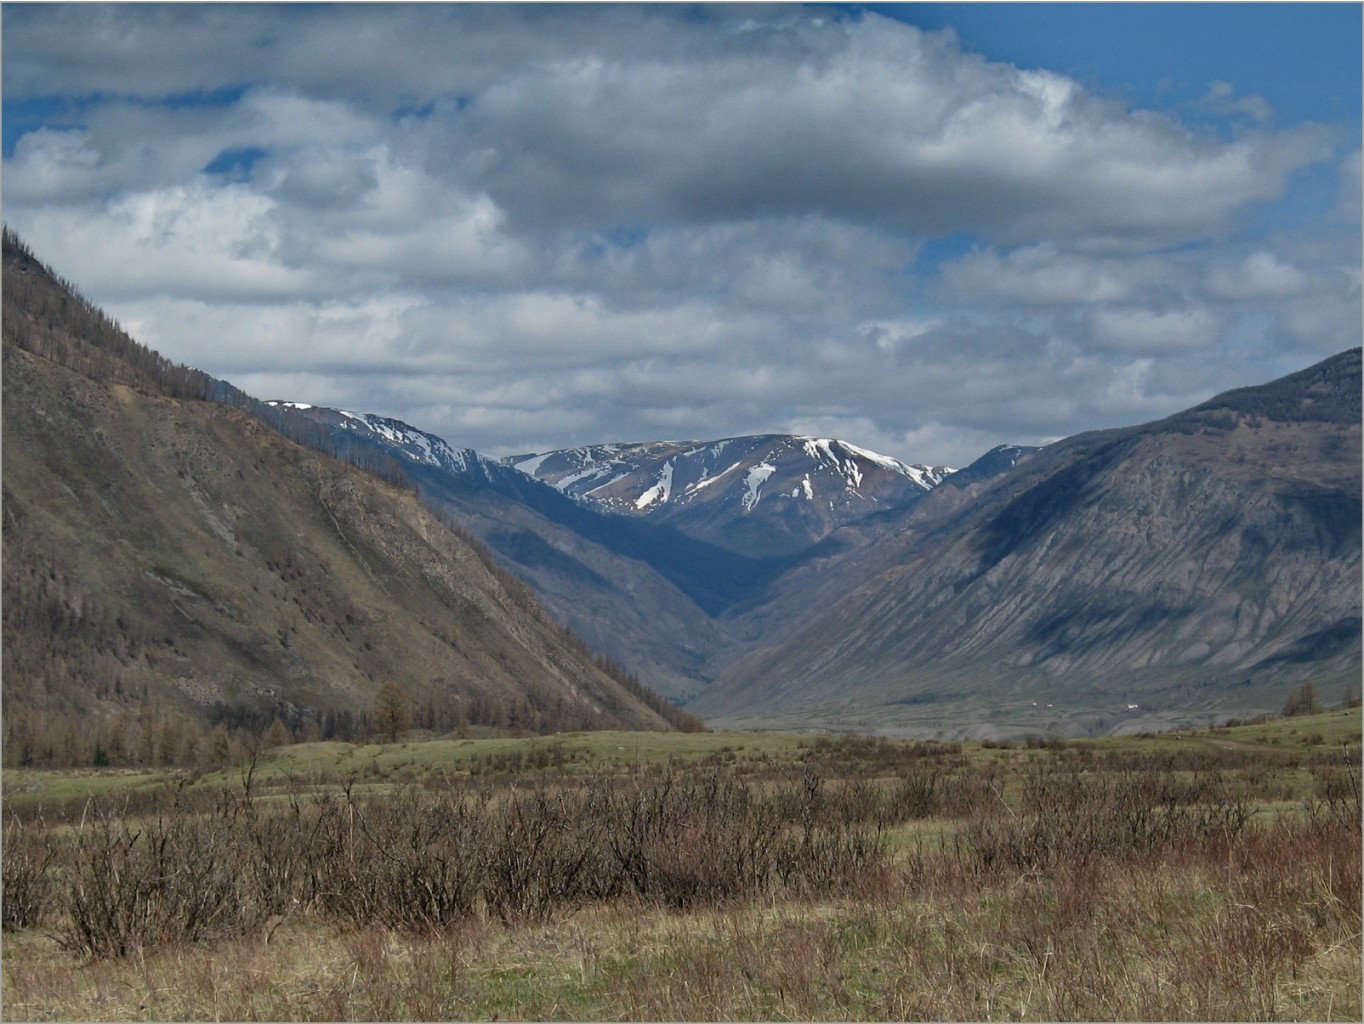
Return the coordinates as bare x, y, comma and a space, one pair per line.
1070, 816
680, 841
26, 858
403, 861
141, 883
540, 852
918, 793
1337, 803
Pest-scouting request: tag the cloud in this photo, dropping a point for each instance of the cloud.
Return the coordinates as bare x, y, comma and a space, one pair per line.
187, 240
524, 226
1221, 98
893, 335
1044, 275
1148, 331
878, 123
1351, 186
1260, 275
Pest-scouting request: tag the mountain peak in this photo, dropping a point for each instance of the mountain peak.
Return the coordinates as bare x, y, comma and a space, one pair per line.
649, 476
762, 494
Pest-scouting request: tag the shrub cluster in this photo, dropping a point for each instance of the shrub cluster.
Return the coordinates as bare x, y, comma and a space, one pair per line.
192, 862
423, 857
1072, 815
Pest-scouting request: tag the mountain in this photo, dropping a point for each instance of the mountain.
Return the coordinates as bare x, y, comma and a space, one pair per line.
1118, 580
644, 550
769, 496
643, 593
173, 546
384, 434
173, 559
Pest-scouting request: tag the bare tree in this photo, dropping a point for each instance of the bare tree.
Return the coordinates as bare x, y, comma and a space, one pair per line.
391, 713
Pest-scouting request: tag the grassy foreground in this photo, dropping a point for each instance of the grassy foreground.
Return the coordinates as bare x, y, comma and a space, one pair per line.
1204, 876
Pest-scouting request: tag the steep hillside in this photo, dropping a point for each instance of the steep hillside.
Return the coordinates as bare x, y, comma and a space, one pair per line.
770, 496
175, 558
1121, 579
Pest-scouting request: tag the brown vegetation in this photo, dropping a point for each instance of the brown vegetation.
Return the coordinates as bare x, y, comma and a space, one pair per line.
862, 880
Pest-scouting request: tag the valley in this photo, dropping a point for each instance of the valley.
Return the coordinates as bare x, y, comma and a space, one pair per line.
681, 512
309, 714
245, 561
1126, 580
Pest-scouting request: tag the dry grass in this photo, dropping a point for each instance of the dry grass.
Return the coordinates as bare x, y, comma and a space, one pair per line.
1258, 938
1052, 887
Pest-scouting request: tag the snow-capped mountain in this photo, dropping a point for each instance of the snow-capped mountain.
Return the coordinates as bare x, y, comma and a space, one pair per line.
394, 436
763, 494
639, 590
790, 581
1204, 561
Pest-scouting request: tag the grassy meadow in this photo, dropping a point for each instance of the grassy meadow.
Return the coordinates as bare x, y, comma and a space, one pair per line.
1205, 875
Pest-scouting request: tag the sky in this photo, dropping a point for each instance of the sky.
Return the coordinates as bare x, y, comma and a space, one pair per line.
927, 229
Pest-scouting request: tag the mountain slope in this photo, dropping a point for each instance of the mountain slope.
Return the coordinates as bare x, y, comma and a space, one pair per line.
1204, 562
172, 557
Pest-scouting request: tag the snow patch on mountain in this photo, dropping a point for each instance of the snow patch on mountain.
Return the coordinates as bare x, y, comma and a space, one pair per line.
608, 484
532, 465
408, 441
592, 472
666, 477
660, 492
707, 480
753, 484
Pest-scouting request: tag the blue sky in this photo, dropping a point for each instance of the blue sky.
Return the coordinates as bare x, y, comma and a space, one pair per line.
1159, 54
924, 228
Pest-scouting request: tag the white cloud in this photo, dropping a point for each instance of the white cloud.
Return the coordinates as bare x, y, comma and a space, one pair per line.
1351, 186
1148, 331
50, 165
879, 122
892, 335
1222, 99
1044, 275
1260, 275
186, 240
364, 336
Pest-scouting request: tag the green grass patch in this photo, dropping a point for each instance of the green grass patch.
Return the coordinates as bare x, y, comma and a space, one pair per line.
33, 785
1327, 730
378, 765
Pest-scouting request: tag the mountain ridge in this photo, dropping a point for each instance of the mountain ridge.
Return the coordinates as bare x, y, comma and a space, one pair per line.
1008, 501
763, 494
